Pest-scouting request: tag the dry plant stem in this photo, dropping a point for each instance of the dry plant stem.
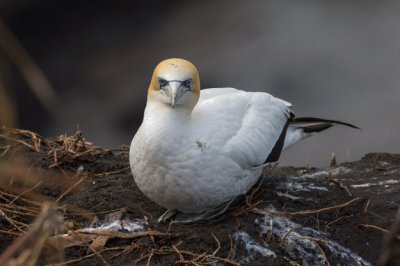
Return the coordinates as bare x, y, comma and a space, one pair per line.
36, 139
367, 206
28, 247
371, 226
390, 247
286, 235
333, 178
181, 258
218, 244
26, 191
227, 261
8, 112
11, 221
150, 257
127, 249
90, 247
124, 235
32, 74
31, 202
113, 172
20, 213
9, 233
17, 207
306, 212
323, 254
71, 188
142, 257
84, 257
337, 219
5, 148
105, 212
271, 224
19, 141
230, 247
318, 240
196, 256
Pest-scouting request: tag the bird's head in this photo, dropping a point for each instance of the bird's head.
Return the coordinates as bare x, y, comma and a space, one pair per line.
175, 83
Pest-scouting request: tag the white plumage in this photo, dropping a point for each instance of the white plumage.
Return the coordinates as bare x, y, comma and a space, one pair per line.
196, 150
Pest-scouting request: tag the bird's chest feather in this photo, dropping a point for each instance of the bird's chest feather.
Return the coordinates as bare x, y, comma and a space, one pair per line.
162, 149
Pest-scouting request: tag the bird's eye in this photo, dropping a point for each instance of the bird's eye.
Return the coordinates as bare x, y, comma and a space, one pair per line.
187, 83
162, 82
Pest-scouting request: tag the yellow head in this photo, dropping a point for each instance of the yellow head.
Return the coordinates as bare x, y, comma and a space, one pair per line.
175, 83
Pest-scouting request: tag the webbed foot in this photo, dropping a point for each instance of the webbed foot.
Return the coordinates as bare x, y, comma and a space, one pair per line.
189, 218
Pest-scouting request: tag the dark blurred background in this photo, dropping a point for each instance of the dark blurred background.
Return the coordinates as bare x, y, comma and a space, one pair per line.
331, 59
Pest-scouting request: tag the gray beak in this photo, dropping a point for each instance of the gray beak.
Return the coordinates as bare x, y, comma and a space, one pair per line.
175, 91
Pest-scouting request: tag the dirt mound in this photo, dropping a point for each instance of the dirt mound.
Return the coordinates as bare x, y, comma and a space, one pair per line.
96, 215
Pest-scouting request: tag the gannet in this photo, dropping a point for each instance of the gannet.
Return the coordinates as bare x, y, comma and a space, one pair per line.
197, 150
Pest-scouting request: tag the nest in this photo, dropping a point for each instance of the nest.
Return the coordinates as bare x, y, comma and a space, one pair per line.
41, 225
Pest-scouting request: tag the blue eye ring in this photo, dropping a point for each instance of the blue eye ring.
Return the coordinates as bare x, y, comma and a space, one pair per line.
162, 82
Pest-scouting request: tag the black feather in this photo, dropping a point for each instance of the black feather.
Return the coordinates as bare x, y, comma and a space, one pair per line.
318, 124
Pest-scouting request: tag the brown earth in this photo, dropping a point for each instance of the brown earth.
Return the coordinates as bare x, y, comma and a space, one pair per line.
295, 216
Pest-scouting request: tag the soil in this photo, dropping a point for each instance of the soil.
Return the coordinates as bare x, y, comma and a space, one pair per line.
303, 215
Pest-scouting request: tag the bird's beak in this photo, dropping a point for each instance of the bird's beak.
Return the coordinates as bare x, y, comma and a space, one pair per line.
175, 91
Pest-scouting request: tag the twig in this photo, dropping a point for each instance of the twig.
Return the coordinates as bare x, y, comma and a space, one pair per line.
20, 213
286, 235
371, 226
33, 75
26, 191
38, 204
112, 172
11, 221
323, 254
306, 212
318, 240
181, 258
214, 257
150, 256
124, 235
218, 244
271, 223
127, 249
19, 141
70, 188
9, 233
336, 220
30, 245
90, 247
230, 247
367, 206
84, 257
6, 149
390, 248
333, 178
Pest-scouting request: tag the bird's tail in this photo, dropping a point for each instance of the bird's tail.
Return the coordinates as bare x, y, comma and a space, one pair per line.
303, 127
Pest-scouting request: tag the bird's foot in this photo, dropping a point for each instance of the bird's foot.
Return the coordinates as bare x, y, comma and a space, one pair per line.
166, 215
189, 218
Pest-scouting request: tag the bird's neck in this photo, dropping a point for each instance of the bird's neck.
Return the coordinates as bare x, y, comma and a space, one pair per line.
162, 126
162, 113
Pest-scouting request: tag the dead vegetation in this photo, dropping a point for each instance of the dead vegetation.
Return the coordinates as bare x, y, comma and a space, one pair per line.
40, 226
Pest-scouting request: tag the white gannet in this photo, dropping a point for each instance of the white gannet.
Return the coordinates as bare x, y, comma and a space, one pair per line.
198, 150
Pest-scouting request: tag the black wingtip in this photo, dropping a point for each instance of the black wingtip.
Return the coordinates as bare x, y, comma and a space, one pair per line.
299, 120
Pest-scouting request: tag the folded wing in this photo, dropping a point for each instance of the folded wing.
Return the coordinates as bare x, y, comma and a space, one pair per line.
249, 127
